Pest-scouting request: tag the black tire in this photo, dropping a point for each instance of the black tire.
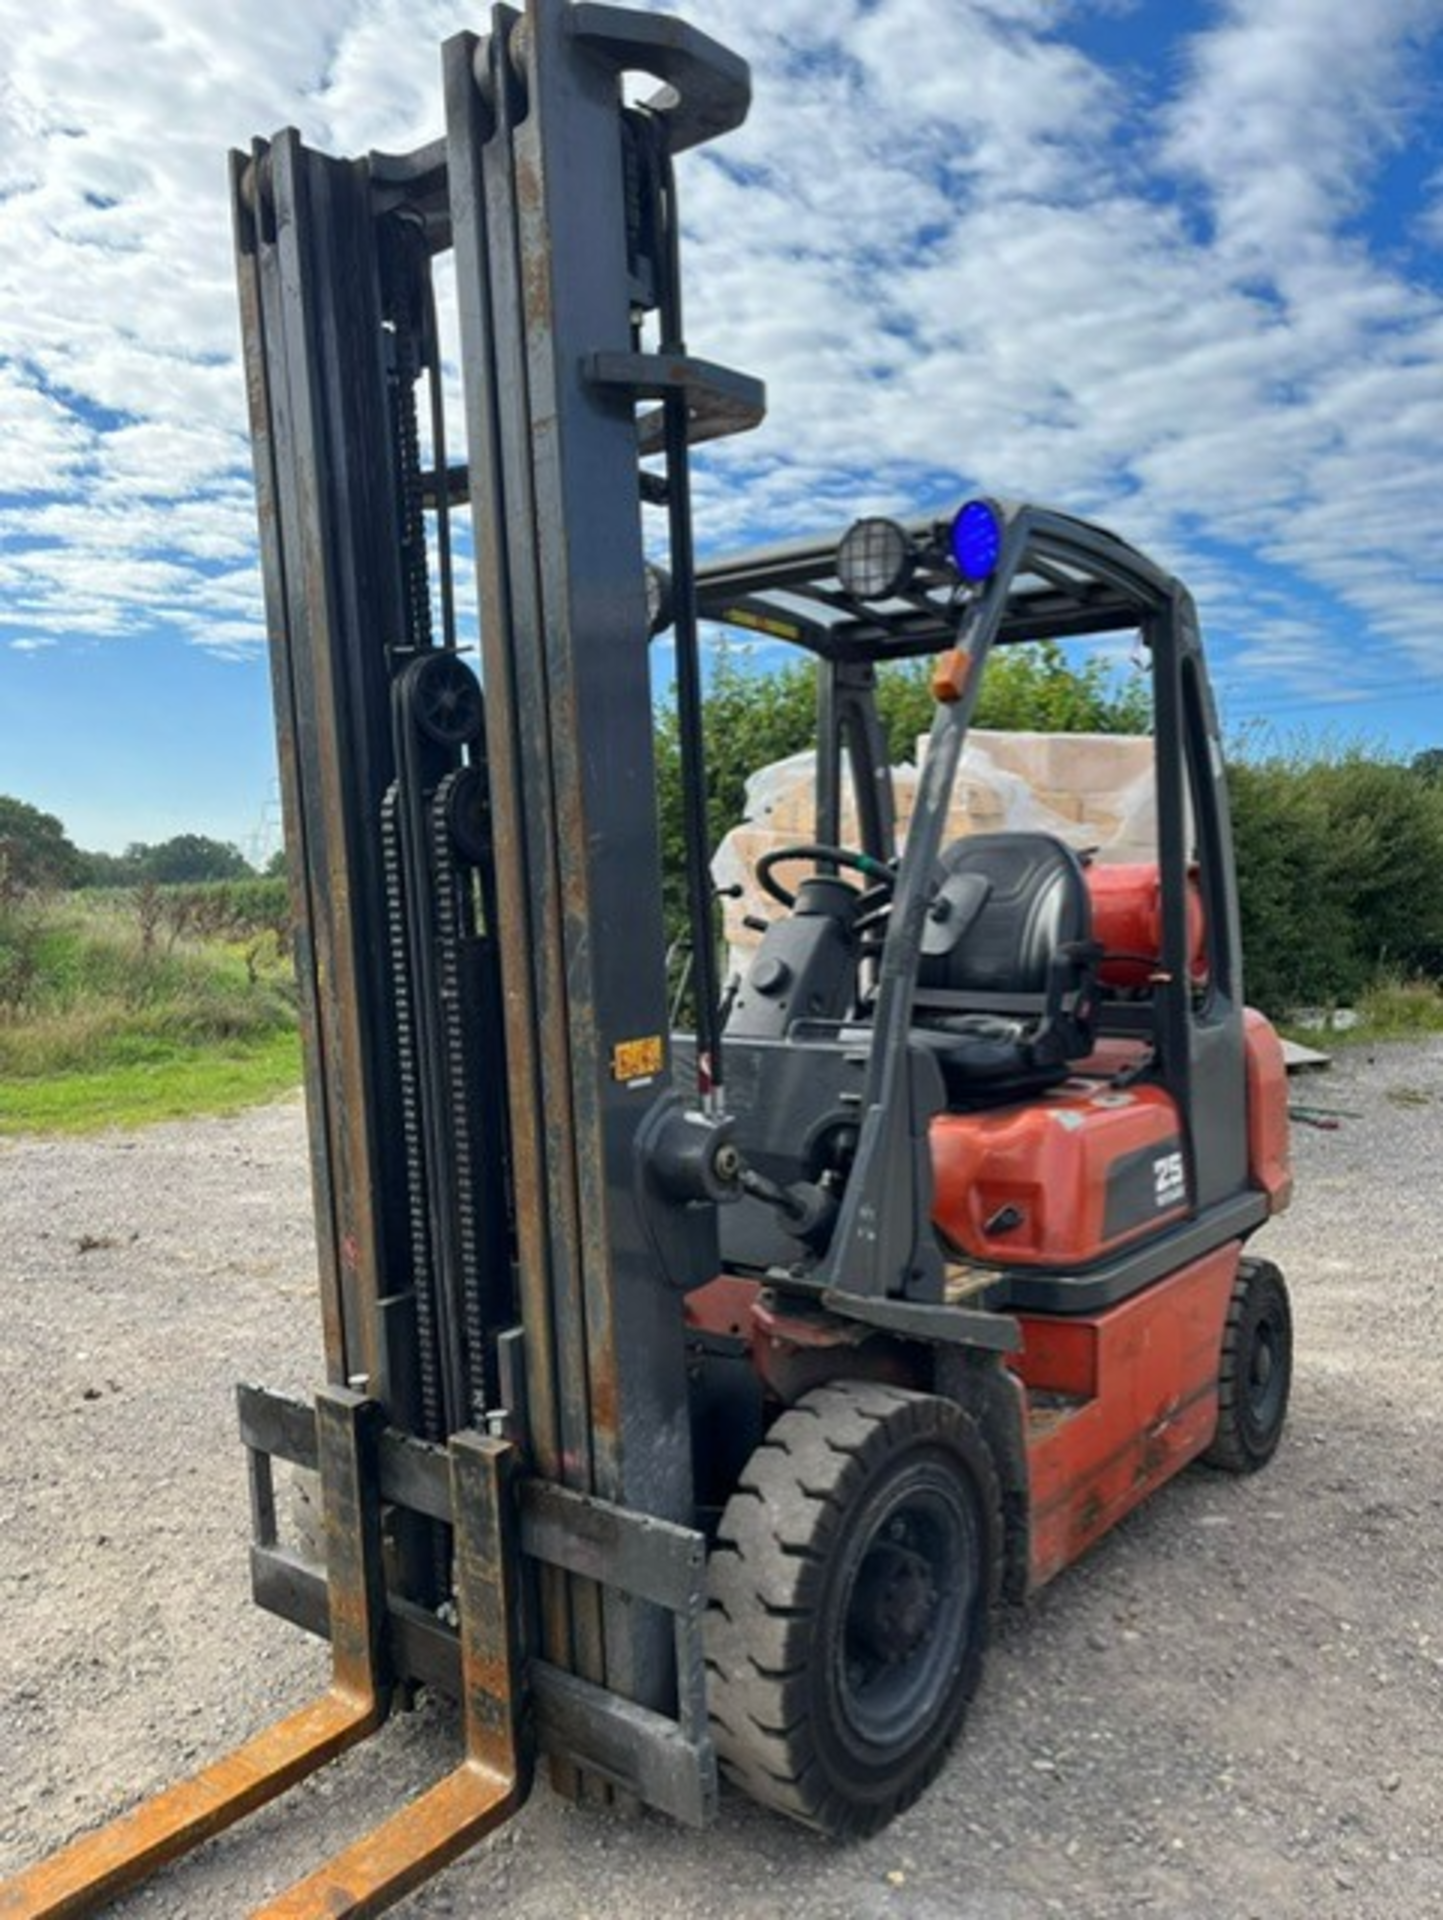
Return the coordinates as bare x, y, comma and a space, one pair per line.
851, 1586
1255, 1378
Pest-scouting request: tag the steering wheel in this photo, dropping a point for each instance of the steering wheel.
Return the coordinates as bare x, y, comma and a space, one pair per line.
882, 875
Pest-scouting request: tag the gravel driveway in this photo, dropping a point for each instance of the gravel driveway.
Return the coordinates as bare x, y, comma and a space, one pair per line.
1233, 1707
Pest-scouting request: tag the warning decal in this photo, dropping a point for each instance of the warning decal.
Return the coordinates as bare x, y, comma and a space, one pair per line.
638, 1059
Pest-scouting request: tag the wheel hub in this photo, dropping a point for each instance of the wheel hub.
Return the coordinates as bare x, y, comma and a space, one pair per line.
905, 1612
895, 1607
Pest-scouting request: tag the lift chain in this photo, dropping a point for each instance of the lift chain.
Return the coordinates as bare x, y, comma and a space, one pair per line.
422, 1278
450, 891
404, 340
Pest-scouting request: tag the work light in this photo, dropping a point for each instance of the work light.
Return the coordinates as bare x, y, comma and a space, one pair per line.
874, 559
976, 540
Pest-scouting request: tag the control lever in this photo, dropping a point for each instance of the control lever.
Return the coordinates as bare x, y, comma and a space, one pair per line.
809, 1211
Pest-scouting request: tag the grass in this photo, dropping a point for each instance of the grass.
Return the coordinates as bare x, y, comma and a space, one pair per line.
191, 1081
1391, 1009
99, 1029
1397, 1009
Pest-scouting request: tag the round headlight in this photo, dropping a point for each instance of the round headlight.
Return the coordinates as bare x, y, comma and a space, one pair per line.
874, 559
977, 540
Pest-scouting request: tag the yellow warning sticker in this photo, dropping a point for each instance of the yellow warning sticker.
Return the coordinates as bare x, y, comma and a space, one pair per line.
761, 623
638, 1059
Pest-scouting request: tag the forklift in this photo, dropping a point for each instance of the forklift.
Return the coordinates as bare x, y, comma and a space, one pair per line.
692, 1398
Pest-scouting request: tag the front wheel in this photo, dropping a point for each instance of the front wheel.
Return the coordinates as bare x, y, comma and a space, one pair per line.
850, 1590
1256, 1374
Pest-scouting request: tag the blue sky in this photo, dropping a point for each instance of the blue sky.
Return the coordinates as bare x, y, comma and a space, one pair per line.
1176, 263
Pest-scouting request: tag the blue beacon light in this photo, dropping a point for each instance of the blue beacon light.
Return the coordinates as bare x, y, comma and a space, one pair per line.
977, 540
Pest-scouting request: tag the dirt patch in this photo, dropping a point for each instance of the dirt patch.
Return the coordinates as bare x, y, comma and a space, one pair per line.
1233, 1707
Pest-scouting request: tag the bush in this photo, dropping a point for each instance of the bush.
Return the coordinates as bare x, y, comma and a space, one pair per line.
1339, 856
79, 991
1340, 876
1296, 933
22, 933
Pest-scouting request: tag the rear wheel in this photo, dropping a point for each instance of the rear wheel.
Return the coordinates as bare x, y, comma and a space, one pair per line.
1255, 1377
851, 1584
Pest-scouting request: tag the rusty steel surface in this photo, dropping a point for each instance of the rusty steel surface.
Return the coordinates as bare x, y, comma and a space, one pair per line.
494, 1776
554, 264
246, 203
482, 219
310, 303
578, 448
420, 1838
387, 1863
92, 1870
538, 201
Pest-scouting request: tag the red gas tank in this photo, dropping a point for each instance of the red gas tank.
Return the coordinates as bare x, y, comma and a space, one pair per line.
1127, 922
1062, 1181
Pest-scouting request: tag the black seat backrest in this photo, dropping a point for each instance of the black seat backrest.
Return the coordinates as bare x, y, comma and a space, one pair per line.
1036, 903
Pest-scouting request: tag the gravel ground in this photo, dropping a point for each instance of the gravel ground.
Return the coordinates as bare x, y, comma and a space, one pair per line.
1233, 1707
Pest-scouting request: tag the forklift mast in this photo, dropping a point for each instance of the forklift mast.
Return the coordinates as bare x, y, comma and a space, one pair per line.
476, 877
506, 1181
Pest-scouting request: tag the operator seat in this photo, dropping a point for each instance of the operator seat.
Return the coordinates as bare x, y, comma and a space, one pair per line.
1010, 1001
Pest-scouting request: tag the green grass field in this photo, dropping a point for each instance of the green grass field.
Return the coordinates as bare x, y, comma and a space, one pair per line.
193, 1080
1391, 1009
102, 1027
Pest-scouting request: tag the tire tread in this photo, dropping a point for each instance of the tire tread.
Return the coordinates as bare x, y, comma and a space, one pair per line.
765, 1579
1231, 1450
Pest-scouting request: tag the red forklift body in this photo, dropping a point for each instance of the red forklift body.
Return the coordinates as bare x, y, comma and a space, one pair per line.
1092, 1164
1059, 1182
1118, 1402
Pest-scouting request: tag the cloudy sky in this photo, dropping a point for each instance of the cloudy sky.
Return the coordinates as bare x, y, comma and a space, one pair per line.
1176, 263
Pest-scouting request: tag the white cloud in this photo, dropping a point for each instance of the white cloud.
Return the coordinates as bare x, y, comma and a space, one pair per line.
42, 441
1265, 383
932, 239
1289, 105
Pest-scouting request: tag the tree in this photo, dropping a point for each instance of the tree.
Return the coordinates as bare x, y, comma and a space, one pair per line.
106, 870
1428, 766
1025, 689
188, 858
34, 848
